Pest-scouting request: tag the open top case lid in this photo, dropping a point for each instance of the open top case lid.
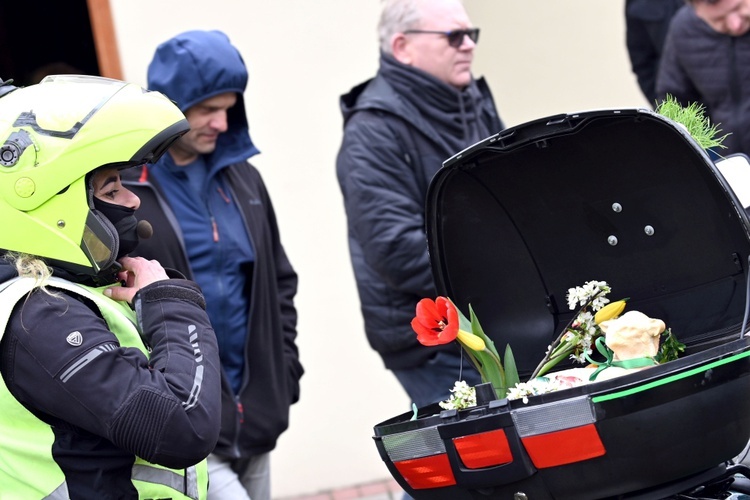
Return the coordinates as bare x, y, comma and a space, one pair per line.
622, 196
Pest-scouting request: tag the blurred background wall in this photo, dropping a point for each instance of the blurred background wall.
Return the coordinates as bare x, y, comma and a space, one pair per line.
540, 57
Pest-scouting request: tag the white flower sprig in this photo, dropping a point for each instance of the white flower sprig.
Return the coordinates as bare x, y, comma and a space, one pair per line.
462, 396
577, 338
540, 385
591, 291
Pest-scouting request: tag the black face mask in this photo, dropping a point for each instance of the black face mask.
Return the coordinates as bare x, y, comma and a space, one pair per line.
123, 218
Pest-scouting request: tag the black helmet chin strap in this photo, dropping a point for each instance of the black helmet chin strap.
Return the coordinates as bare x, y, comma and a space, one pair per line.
106, 276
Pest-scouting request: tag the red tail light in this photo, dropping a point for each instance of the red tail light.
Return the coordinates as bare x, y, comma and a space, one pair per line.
564, 446
427, 472
485, 449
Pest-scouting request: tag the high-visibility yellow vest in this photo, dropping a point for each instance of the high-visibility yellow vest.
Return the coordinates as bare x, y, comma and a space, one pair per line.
27, 468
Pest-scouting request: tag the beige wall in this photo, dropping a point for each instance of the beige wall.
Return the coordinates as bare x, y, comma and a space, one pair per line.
541, 57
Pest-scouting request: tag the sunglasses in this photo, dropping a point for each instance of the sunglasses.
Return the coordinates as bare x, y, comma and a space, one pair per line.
455, 37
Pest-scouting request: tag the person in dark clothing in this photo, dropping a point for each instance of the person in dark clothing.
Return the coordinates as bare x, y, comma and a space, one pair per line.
706, 60
110, 369
646, 25
422, 107
213, 220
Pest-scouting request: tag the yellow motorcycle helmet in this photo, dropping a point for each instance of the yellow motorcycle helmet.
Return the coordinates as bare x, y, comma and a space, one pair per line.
52, 135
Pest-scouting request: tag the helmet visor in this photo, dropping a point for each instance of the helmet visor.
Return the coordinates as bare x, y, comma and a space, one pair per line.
97, 243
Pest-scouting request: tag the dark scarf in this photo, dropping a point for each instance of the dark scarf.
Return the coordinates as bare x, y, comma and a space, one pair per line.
458, 115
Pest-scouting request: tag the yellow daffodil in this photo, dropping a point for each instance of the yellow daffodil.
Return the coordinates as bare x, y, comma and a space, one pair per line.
471, 341
610, 311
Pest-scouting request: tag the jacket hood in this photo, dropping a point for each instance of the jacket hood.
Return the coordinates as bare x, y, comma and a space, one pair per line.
457, 118
378, 95
197, 65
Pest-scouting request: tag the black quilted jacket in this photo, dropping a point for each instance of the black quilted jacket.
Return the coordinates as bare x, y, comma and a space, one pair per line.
390, 152
700, 65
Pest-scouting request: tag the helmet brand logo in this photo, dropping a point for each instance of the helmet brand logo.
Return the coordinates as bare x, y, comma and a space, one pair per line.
75, 339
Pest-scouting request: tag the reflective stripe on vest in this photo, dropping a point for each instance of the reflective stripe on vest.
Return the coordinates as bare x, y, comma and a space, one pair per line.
61, 493
27, 468
167, 477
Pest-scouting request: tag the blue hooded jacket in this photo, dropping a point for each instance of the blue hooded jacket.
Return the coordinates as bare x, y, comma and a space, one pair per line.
246, 276
221, 257
217, 67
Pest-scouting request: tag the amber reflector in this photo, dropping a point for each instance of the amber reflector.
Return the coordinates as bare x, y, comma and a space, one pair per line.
564, 447
427, 472
485, 449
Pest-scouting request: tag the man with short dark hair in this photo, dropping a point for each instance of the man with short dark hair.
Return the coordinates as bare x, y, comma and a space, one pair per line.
706, 60
422, 107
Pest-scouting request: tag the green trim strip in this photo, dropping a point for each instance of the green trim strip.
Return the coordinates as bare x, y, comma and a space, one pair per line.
667, 380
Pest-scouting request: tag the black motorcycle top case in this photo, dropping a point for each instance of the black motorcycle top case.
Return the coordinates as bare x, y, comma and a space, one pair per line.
513, 222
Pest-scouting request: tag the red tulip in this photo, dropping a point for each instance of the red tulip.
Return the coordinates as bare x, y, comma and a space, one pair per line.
436, 322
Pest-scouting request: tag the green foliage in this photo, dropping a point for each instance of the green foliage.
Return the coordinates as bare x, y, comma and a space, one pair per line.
511, 371
488, 361
670, 349
694, 118
490, 366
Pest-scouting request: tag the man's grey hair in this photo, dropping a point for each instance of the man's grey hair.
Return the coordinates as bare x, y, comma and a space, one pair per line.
398, 16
